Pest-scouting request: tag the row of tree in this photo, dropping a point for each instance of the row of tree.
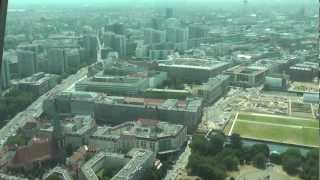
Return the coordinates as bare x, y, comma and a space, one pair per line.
12, 103
294, 163
214, 156
210, 159
18, 140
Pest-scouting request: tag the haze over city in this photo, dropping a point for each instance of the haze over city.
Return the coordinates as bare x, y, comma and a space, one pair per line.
160, 90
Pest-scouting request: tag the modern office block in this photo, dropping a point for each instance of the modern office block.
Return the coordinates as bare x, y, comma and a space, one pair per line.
198, 31
214, 88
246, 77
72, 60
57, 61
159, 137
117, 42
27, 63
37, 84
192, 69
91, 46
152, 36
117, 28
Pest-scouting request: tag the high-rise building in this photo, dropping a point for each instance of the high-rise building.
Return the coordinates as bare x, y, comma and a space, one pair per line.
131, 48
36, 49
182, 34
105, 52
30, 47
91, 45
169, 12
117, 42
37, 84
120, 45
117, 28
198, 31
84, 56
177, 35
152, 36
160, 54
27, 64
57, 61
158, 36
171, 35
107, 39
156, 23
142, 51
148, 36
172, 22
72, 60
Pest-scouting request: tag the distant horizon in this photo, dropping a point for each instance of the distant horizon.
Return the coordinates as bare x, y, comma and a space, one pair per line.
158, 2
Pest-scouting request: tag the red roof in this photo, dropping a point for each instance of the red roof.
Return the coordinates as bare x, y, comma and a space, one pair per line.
38, 151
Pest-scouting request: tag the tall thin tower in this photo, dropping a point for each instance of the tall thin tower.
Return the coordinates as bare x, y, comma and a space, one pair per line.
3, 15
318, 50
318, 43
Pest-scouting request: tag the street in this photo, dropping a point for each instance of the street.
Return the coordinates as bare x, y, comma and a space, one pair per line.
35, 109
180, 164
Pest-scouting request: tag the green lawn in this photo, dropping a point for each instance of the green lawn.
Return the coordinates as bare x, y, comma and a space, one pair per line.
280, 120
286, 130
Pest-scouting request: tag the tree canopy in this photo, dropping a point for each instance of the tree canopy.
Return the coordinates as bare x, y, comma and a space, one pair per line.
212, 157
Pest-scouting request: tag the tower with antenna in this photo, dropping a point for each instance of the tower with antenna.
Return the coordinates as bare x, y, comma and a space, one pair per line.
318, 45
244, 13
245, 7
169, 11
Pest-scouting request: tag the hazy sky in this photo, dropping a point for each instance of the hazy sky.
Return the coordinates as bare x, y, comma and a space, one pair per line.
149, 1
173, 3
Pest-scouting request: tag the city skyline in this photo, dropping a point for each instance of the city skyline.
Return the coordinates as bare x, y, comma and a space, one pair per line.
151, 89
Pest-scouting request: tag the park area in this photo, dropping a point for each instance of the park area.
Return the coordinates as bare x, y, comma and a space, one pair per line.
284, 129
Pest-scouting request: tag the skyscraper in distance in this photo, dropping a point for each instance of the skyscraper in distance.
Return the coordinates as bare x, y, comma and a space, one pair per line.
57, 61
27, 64
169, 12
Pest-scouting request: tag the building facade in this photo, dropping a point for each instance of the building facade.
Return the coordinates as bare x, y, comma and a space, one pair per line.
132, 164
246, 77
37, 84
27, 63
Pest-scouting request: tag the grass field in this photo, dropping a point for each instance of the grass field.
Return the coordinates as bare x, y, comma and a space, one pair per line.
276, 128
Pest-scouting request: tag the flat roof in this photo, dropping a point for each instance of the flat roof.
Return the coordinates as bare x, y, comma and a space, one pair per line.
245, 70
36, 79
168, 90
136, 159
139, 157
82, 124
156, 130
193, 63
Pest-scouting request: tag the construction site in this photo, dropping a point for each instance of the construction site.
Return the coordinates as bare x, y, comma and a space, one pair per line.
259, 115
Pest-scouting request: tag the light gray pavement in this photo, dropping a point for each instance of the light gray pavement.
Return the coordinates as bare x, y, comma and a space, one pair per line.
180, 164
35, 109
